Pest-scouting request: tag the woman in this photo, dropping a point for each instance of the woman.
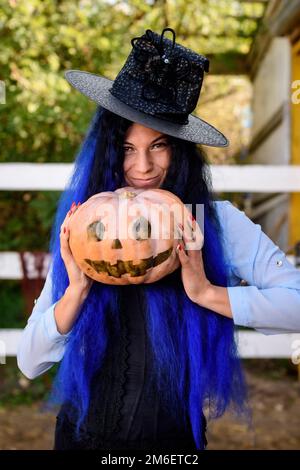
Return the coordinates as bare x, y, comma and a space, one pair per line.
140, 364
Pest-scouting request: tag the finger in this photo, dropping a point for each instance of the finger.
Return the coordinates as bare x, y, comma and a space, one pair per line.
187, 230
64, 233
64, 243
73, 208
188, 237
192, 235
70, 212
198, 237
191, 227
67, 215
193, 249
182, 255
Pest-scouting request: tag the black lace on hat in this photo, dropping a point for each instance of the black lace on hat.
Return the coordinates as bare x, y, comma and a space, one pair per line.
165, 77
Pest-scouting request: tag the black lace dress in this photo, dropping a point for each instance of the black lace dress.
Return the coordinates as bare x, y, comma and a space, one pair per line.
124, 413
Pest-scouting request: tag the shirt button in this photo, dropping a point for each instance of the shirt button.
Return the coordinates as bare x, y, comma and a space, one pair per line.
279, 262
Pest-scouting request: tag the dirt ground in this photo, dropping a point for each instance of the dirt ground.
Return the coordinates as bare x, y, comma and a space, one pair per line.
276, 419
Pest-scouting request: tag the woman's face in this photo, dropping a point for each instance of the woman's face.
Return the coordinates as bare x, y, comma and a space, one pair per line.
147, 156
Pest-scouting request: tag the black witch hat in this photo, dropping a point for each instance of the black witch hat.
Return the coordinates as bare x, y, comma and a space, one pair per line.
158, 86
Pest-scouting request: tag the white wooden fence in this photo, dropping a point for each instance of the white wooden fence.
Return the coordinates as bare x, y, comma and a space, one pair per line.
251, 344
233, 178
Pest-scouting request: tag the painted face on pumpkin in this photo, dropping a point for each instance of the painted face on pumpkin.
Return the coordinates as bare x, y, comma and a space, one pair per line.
147, 157
128, 236
140, 228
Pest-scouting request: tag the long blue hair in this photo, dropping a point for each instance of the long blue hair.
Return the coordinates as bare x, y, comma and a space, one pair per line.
196, 365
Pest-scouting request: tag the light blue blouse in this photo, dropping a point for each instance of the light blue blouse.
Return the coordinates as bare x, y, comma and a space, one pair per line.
269, 302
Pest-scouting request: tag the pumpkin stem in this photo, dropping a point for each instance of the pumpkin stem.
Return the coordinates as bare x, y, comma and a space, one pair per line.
128, 194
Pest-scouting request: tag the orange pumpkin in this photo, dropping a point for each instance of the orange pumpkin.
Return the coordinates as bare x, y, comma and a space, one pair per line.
128, 236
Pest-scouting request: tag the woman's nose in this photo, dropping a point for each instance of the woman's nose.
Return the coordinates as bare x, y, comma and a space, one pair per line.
143, 162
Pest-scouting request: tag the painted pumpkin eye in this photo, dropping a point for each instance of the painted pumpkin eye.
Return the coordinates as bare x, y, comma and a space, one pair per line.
96, 231
141, 229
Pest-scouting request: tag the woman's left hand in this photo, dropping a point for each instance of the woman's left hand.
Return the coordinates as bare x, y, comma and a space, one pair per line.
193, 274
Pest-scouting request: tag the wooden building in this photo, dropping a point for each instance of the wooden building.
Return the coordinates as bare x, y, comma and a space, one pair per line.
274, 67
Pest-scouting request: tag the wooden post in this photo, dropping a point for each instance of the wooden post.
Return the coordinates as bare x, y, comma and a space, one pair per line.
294, 229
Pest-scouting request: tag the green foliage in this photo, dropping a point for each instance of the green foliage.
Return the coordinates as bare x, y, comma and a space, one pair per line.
26, 219
16, 389
44, 118
12, 305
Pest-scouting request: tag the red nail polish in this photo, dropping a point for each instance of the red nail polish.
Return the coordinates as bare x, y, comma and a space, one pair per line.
78, 204
192, 217
73, 204
180, 247
180, 226
64, 229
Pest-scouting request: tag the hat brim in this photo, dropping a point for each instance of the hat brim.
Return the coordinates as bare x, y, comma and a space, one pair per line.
97, 89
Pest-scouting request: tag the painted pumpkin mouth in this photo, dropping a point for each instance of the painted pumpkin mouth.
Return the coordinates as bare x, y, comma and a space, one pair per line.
123, 267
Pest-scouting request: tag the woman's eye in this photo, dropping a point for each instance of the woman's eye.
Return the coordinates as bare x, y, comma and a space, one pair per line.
161, 144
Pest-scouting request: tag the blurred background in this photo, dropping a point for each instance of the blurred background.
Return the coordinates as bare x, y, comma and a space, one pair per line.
252, 94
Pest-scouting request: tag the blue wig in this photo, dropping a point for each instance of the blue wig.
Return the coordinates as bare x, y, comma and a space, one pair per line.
196, 365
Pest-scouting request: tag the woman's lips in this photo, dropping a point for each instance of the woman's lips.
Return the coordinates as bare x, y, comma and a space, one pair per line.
145, 181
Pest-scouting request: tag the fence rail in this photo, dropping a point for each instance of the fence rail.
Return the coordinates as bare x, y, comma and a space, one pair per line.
251, 344
230, 178
11, 269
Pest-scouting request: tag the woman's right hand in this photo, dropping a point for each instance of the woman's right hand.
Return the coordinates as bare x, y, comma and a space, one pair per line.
68, 307
78, 281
